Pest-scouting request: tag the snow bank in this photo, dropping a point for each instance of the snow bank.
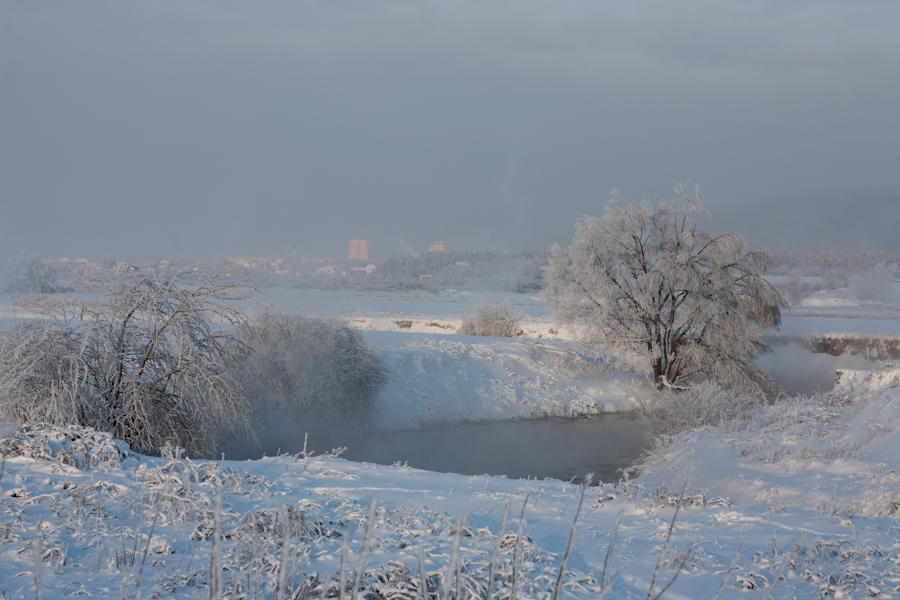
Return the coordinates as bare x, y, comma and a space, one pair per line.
836, 453
452, 379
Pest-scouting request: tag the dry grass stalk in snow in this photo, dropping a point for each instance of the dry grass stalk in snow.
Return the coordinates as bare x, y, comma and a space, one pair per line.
93, 537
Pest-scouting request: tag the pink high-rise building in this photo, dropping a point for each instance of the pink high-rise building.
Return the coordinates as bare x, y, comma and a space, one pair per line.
438, 247
359, 249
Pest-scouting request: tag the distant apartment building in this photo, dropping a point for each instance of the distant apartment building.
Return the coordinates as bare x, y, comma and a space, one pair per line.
359, 249
438, 247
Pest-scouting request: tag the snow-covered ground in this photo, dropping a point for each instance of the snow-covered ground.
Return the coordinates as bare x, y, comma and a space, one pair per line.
835, 454
807, 489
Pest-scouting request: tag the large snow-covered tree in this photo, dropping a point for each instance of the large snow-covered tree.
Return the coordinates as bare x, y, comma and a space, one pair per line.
658, 296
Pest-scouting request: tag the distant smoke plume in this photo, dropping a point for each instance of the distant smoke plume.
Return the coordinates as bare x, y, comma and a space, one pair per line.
403, 248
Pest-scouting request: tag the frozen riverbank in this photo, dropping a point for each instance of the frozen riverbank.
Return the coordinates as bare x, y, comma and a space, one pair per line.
453, 379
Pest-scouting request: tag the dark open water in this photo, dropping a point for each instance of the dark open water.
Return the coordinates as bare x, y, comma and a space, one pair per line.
558, 448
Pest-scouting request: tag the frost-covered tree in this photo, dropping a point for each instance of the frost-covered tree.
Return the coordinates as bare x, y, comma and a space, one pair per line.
877, 285
658, 296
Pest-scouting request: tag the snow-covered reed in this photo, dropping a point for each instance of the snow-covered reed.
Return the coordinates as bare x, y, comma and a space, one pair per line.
290, 526
788, 480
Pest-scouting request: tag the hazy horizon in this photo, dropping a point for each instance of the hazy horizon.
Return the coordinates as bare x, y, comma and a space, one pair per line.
222, 128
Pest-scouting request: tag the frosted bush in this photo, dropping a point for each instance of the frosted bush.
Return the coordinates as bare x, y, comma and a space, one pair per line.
304, 368
31, 274
163, 365
144, 360
492, 319
81, 447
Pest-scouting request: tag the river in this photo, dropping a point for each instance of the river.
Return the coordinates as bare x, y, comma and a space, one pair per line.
565, 449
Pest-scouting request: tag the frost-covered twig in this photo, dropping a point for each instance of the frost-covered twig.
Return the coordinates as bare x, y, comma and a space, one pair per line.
342, 570
36, 547
678, 570
779, 575
737, 556
662, 554
423, 585
605, 583
215, 588
285, 542
453, 569
137, 587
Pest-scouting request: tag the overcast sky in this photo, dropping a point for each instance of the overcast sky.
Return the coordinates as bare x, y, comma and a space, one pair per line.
149, 128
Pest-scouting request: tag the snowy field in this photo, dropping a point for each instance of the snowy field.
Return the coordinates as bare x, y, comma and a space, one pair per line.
797, 499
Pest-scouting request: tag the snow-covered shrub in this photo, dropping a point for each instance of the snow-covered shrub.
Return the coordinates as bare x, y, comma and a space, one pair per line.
42, 372
32, 274
875, 285
493, 319
81, 447
145, 361
303, 368
670, 412
794, 288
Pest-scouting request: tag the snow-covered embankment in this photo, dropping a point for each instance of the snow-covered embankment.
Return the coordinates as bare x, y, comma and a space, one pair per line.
452, 378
